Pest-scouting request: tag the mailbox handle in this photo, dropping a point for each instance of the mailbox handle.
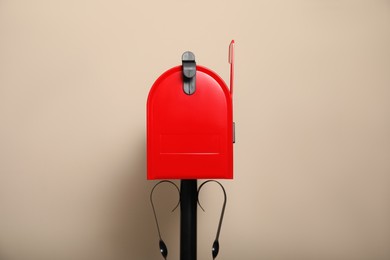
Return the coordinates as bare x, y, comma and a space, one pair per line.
231, 61
189, 72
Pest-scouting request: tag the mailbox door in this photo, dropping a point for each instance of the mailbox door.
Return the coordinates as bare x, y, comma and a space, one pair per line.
189, 136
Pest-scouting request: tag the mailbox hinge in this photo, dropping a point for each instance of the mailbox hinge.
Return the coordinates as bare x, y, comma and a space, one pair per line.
189, 72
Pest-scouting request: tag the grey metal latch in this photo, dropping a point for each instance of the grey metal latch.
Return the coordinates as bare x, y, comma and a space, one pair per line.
189, 72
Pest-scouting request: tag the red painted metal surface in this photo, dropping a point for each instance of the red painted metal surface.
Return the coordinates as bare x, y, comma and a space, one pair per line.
190, 136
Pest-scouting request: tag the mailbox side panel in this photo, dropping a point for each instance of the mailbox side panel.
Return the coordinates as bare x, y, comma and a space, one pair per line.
189, 136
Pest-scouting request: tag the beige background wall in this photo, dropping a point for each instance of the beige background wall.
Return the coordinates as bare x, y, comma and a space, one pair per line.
312, 111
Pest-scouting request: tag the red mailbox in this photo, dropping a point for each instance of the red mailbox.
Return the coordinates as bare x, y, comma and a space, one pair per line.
190, 129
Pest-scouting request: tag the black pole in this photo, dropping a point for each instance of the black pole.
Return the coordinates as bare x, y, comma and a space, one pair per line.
188, 206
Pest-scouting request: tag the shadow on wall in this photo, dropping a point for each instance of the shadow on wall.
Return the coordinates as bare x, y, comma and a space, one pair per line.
134, 233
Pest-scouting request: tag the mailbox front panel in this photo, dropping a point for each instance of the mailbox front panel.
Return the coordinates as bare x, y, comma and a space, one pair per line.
189, 136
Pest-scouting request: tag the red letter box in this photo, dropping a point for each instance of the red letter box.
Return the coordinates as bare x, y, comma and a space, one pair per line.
190, 129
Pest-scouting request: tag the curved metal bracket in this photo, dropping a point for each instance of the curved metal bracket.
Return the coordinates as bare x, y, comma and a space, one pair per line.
215, 247
162, 245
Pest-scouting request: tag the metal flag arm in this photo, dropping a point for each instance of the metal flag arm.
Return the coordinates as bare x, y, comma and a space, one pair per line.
231, 61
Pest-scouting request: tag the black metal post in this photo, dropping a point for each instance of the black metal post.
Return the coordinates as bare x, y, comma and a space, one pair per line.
188, 214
